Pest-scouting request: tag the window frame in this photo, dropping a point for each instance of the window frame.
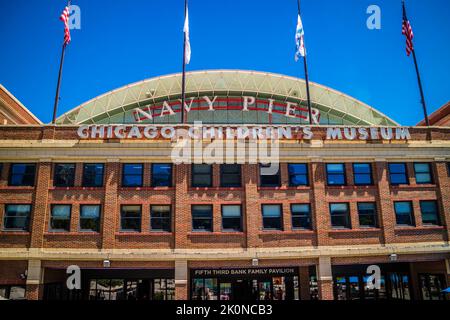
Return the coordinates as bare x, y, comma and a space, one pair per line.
437, 213
411, 214
302, 215
430, 172
355, 174
223, 174
348, 225
98, 218
134, 175
306, 174
169, 218
278, 175
210, 218
344, 174
140, 218
375, 214
170, 179
240, 229
405, 165
279, 205
209, 174
28, 218
69, 219
11, 174
102, 174
57, 175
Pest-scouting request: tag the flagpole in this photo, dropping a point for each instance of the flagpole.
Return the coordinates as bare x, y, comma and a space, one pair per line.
183, 78
422, 96
58, 86
305, 62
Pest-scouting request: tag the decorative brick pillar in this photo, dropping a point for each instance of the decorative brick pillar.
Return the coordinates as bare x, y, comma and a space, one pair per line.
325, 279
443, 183
181, 280
319, 207
253, 223
40, 203
182, 218
111, 211
35, 283
384, 201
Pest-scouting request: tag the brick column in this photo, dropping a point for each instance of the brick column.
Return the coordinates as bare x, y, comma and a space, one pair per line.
319, 207
182, 214
384, 201
304, 283
111, 210
35, 283
253, 220
325, 279
443, 186
181, 280
40, 203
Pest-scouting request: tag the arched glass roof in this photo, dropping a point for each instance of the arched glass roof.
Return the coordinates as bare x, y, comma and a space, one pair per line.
117, 105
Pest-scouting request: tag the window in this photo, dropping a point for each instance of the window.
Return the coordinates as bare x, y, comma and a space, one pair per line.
231, 218
9, 292
267, 177
164, 289
130, 218
202, 218
298, 174
22, 174
272, 219
398, 174
64, 175
362, 174
340, 215
404, 213
60, 218
230, 175
132, 175
301, 216
90, 218
423, 173
93, 174
336, 174
161, 175
160, 218
17, 217
201, 175
430, 212
367, 213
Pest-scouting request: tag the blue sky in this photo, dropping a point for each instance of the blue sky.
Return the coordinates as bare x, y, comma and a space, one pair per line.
123, 41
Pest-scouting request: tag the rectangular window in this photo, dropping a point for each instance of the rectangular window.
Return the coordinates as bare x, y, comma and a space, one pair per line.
202, 175
269, 178
17, 217
132, 175
202, 218
22, 174
340, 215
301, 216
230, 175
367, 213
160, 218
404, 213
60, 218
231, 218
90, 218
336, 174
272, 217
298, 174
64, 175
93, 174
398, 174
130, 218
161, 175
430, 213
362, 174
423, 173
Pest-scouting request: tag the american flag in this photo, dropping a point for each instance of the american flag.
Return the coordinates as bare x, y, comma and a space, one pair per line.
65, 18
407, 32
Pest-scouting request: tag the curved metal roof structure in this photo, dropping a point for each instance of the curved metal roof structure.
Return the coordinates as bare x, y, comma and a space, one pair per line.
333, 104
